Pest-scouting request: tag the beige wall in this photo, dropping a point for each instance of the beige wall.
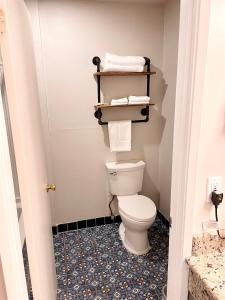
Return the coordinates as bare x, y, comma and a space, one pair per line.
72, 32
211, 160
170, 50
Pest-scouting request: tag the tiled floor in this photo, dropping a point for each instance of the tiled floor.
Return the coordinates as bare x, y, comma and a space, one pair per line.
92, 263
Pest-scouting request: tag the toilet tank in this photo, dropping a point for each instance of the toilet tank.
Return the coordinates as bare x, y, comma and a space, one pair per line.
125, 178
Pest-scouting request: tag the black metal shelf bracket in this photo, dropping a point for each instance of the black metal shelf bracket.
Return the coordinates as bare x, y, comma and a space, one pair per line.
148, 64
144, 111
97, 62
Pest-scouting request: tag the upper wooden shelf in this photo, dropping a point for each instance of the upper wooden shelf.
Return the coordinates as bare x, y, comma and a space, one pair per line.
106, 105
123, 73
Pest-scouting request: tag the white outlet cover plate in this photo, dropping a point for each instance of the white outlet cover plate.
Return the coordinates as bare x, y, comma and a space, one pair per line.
214, 183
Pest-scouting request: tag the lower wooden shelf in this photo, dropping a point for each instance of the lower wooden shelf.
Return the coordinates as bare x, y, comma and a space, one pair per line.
143, 106
106, 105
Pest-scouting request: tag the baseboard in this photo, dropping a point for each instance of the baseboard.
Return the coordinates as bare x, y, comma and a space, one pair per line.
163, 219
96, 222
85, 223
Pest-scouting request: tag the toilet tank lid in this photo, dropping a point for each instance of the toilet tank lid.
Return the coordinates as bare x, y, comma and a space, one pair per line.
125, 165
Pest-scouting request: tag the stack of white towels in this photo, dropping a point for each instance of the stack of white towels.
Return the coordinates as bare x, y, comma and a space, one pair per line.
131, 100
120, 131
120, 101
118, 63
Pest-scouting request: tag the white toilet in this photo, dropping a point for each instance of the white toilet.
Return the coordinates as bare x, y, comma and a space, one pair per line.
137, 212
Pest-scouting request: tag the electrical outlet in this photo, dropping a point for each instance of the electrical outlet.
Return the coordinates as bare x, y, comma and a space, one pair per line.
210, 225
214, 184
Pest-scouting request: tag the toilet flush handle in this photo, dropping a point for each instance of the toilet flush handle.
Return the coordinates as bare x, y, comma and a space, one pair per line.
113, 173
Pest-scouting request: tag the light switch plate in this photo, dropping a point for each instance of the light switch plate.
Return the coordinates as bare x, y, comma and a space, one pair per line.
215, 183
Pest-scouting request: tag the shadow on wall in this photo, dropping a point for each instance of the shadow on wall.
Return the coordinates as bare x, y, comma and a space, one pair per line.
146, 137
2, 283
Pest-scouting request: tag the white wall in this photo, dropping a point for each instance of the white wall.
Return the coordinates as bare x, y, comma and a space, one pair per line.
211, 160
72, 32
170, 51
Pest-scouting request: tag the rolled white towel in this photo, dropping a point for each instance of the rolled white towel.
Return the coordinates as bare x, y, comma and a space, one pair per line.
120, 68
124, 60
120, 101
139, 99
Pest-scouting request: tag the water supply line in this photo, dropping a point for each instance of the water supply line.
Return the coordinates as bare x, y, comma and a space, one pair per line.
110, 208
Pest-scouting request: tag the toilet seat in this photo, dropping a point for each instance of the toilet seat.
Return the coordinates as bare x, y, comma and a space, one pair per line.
137, 207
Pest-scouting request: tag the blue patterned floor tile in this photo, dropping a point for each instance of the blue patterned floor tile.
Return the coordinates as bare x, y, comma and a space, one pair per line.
58, 238
60, 268
105, 291
61, 294
76, 281
79, 265
119, 294
61, 281
60, 255
87, 292
92, 263
145, 296
72, 295
102, 275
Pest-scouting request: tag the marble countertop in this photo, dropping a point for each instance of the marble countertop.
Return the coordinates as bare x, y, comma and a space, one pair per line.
208, 275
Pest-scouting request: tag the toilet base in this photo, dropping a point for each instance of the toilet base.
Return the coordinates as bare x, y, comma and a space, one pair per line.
129, 249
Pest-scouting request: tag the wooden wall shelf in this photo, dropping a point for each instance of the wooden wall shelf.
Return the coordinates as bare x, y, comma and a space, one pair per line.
123, 73
105, 105
143, 106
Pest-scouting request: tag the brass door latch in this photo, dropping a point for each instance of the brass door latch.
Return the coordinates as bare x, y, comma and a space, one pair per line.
51, 186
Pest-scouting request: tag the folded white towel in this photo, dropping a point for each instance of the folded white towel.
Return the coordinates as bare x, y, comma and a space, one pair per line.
120, 68
124, 60
138, 99
119, 101
119, 135
138, 102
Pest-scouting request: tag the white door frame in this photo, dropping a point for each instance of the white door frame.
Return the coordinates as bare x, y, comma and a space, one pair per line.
194, 20
10, 246
192, 55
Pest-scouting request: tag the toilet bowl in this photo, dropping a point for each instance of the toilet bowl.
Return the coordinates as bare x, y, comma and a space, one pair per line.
137, 212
